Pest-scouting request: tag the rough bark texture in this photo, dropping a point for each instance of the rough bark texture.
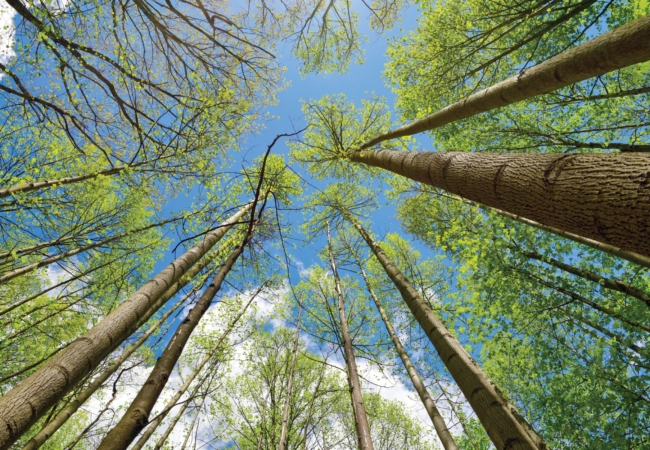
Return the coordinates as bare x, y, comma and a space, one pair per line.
358, 408
505, 427
137, 415
51, 427
188, 381
622, 47
26, 403
605, 197
607, 283
287, 398
438, 421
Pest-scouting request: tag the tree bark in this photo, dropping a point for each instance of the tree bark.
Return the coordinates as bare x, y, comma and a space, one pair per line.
504, 425
605, 197
137, 415
607, 283
358, 408
438, 421
52, 426
154, 424
287, 398
26, 403
619, 48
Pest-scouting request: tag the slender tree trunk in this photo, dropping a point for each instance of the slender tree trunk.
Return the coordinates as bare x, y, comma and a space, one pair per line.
438, 421
506, 428
586, 301
287, 398
35, 185
75, 251
26, 403
619, 48
311, 407
137, 415
196, 418
612, 284
154, 424
605, 197
161, 441
358, 408
457, 414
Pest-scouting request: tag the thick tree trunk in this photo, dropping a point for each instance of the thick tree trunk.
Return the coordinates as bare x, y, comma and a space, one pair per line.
26, 403
137, 415
75, 251
287, 398
438, 421
506, 428
190, 378
619, 48
605, 197
358, 408
51, 427
607, 283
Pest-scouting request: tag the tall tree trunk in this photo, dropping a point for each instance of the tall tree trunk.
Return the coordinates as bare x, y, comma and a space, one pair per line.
605, 197
619, 48
358, 408
52, 426
154, 424
137, 415
287, 398
506, 428
607, 283
26, 403
196, 417
75, 251
438, 421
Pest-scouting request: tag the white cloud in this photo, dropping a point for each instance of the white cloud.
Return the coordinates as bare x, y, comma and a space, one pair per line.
7, 33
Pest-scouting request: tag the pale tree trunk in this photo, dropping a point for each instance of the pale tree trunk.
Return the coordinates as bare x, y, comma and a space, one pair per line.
196, 418
506, 428
287, 398
619, 48
26, 403
154, 424
137, 415
35, 185
75, 251
358, 408
607, 283
605, 197
438, 421
310, 410
52, 426
610, 249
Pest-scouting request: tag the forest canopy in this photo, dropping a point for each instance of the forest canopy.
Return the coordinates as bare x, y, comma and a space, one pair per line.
325, 224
